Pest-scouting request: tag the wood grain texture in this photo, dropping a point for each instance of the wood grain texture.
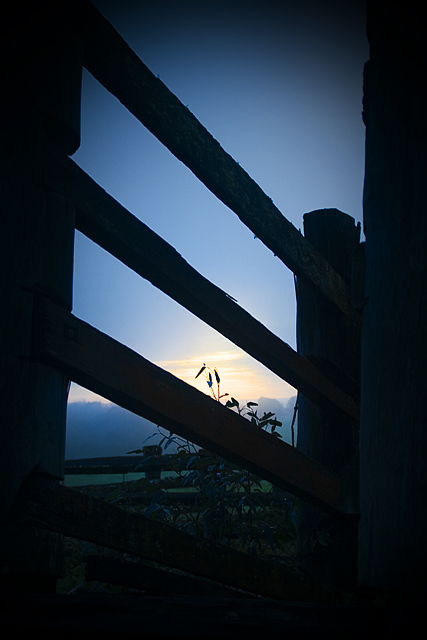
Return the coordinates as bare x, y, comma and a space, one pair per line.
333, 342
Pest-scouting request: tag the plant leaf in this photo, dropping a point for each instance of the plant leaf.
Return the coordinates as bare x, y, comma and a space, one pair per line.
152, 508
201, 370
267, 416
190, 461
169, 442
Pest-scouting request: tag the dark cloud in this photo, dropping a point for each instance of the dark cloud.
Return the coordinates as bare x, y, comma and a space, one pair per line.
97, 430
284, 412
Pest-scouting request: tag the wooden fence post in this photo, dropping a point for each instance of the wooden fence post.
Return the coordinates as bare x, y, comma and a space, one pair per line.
40, 106
393, 438
332, 342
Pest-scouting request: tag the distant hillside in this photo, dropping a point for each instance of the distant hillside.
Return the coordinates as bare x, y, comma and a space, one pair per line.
96, 430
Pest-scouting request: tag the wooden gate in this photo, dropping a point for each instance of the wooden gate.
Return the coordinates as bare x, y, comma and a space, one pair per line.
49, 196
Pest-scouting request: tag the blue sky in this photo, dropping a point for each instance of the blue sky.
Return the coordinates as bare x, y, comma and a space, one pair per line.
279, 85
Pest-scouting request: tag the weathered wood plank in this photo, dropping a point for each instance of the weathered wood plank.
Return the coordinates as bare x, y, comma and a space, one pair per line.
36, 253
118, 68
114, 371
45, 503
393, 433
40, 80
106, 222
334, 342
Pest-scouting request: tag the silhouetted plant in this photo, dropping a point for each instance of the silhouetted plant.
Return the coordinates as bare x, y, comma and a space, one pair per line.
231, 505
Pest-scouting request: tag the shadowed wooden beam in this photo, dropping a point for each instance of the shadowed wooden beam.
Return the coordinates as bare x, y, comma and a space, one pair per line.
153, 581
103, 365
118, 68
109, 224
45, 503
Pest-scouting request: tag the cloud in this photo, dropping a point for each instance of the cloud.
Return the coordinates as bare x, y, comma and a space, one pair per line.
96, 430
197, 361
241, 376
187, 368
78, 394
283, 410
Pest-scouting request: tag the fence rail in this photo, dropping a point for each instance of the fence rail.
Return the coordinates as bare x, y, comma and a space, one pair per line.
102, 219
116, 464
103, 365
152, 468
44, 503
113, 63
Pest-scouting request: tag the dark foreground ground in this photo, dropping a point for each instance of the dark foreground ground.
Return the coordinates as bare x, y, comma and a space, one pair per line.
92, 615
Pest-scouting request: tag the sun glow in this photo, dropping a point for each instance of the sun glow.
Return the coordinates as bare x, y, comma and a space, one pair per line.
241, 377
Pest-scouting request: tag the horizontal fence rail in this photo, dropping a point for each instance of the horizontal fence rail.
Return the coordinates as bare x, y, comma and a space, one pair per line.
152, 467
113, 63
117, 464
102, 219
103, 365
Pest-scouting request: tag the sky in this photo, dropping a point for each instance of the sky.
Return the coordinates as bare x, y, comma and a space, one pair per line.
279, 85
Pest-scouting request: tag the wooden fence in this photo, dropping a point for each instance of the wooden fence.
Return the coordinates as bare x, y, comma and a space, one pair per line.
94, 360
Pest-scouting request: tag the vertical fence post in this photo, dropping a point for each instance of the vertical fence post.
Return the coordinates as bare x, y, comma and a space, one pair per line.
393, 437
332, 343
41, 98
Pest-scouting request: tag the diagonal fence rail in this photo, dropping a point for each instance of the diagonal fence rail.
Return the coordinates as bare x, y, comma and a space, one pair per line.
102, 219
103, 365
105, 221
41, 502
113, 63
108, 368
